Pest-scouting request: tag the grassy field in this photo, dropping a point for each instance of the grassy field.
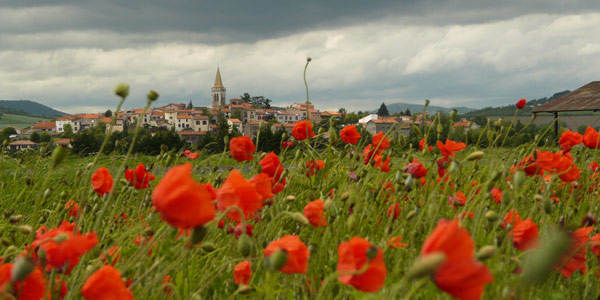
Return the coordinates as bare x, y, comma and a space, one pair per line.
19, 121
157, 260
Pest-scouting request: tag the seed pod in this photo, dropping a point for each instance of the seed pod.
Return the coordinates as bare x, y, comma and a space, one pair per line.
278, 259
244, 245
519, 178
491, 216
426, 265
208, 247
22, 268
475, 155
345, 196
244, 289
300, 218
58, 155
24, 229
15, 219
47, 193
351, 222
371, 252
486, 252
122, 90
411, 214
152, 95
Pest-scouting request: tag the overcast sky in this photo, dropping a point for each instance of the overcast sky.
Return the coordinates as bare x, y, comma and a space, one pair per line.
70, 54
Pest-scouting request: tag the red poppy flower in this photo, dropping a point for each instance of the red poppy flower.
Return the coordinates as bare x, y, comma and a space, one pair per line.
566, 169
450, 147
349, 134
111, 256
595, 245
380, 141
181, 201
590, 138
423, 145
72, 207
314, 166
496, 195
263, 182
32, 288
242, 272
352, 256
140, 178
106, 283
574, 258
442, 164
458, 199
383, 165
241, 148
460, 275
286, 144
525, 235
396, 242
297, 253
521, 103
569, 139
416, 169
60, 251
369, 153
546, 160
237, 191
394, 211
528, 165
271, 165
191, 155
102, 181
314, 212
300, 130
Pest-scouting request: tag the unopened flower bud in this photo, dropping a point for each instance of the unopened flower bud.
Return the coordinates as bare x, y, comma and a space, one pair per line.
491, 216
308, 59
61, 238
328, 203
371, 252
244, 289
409, 181
244, 245
426, 265
47, 193
411, 214
290, 198
208, 247
519, 178
122, 90
427, 102
278, 259
486, 252
152, 95
15, 219
300, 218
58, 155
475, 155
548, 206
345, 196
22, 268
351, 222
24, 229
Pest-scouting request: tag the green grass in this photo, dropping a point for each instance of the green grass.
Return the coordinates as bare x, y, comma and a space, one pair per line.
7, 120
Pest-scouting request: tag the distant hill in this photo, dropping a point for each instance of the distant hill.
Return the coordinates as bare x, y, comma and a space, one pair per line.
509, 110
402, 107
28, 108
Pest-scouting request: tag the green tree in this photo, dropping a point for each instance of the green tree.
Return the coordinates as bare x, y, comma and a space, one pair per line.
67, 131
45, 137
35, 137
190, 105
237, 114
351, 118
383, 111
108, 113
407, 112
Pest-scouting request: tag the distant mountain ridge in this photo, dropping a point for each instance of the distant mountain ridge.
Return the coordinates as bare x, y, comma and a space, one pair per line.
402, 107
509, 110
28, 107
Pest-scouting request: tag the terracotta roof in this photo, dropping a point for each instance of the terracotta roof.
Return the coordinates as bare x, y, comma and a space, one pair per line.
66, 118
235, 121
192, 132
236, 105
200, 117
23, 142
158, 113
460, 124
63, 141
183, 116
44, 125
384, 121
92, 116
584, 98
255, 122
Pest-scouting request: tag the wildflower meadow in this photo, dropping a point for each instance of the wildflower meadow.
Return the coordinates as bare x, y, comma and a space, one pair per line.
334, 215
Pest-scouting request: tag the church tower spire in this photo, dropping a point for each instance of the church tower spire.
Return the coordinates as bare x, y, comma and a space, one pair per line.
218, 92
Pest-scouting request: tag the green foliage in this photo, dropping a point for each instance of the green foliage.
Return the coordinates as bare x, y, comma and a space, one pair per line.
35, 137
256, 101
383, 111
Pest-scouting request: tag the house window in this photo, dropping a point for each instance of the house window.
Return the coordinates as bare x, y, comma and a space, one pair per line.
203, 122
197, 122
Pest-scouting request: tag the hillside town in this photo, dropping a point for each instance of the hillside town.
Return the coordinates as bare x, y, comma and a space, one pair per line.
192, 123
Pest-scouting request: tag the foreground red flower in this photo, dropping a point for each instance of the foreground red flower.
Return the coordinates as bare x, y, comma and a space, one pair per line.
416, 169
569, 139
242, 272
181, 201
590, 138
423, 145
349, 134
460, 275
450, 147
352, 257
566, 168
62, 246
296, 250
380, 141
191, 155
139, 178
521, 103
271, 165
524, 233
300, 130
262, 182
237, 191
102, 181
106, 284
32, 288
574, 258
314, 212
241, 148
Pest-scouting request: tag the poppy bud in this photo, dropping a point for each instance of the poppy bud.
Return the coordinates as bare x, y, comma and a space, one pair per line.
519, 178
284, 137
440, 128
152, 95
321, 131
426, 103
290, 198
540, 263
332, 135
548, 206
297, 155
61, 238
453, 114
6, 143
453, 167
244, 289
417, 130
24, 229
308, 59
245, 245
475, 155
208, 247
22, 268
198, 234
64, 195
491, 216
345, 196
278, 259
351, 222
411, 214
122, 90
300, 218
5, 242
409, 181
10, 250
371, 252
15, 219
426, 265
588, 220
537, 198
170, 159
328, 203
58, 155
486, 252
47, 193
